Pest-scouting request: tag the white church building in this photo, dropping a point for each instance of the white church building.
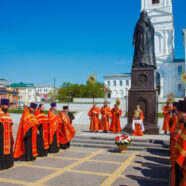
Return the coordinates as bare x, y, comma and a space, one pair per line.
169, 70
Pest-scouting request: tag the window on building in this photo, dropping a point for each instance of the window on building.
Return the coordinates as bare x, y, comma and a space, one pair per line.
29, 97
115, 83
155, 1
121, 82
108, 83
180, 70
127, 82
179, 87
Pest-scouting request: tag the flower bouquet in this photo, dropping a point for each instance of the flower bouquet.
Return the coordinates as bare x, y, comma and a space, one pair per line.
122, 142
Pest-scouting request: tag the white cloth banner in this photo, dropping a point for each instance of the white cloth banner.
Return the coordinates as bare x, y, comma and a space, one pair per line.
138, 121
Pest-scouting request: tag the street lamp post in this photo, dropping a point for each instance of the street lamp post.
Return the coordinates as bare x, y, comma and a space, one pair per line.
69, 96
126, 100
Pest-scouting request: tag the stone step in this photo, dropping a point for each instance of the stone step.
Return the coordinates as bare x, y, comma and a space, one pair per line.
134, 139
114, 147
106, 142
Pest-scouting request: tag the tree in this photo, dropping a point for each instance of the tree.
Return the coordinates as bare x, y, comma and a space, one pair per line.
88, 90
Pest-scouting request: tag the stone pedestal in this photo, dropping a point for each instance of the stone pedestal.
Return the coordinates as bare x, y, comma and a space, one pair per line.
143, 92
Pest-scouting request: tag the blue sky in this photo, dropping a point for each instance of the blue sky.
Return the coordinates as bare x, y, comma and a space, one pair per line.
70, 39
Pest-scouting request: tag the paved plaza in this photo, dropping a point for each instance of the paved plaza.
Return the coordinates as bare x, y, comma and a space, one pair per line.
92, 167
85, 166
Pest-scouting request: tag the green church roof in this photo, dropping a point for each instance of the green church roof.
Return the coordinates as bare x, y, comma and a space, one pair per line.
20, 84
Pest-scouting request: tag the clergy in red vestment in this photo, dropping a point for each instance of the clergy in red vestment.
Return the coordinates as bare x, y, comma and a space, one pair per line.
167, 116
137, 123
26, 142
67, 130
55, 122
6, 136
42, 137
106, 115
94, 118
115, 123
178, 155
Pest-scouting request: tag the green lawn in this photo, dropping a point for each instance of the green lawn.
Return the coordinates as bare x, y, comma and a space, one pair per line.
16, 111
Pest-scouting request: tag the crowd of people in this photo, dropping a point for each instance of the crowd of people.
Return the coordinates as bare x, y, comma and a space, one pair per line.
114, 115
175, 123
37, 134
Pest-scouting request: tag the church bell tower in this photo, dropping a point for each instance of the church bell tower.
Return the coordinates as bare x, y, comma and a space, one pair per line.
160, 12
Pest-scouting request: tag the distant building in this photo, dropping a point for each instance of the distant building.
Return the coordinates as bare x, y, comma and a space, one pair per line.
169, 70
119, 84
43, 90
4, 83
27, 93
10, 94
184, 42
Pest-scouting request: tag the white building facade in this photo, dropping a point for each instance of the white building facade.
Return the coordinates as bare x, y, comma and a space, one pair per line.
43, 90
184, 42
169, 70
118, 84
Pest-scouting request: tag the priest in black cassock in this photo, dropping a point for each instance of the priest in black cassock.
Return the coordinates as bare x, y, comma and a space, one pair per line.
26, 142
71, 117
6, 136
43, 131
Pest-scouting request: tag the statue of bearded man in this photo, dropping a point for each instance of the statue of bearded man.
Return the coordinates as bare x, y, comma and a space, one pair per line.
144, 54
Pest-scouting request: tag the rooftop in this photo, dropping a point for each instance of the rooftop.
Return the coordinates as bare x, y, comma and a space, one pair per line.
42, 86
21, 84
4, 82
118, 75
9, 91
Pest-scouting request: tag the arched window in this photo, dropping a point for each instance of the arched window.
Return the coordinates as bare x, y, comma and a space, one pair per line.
155, 1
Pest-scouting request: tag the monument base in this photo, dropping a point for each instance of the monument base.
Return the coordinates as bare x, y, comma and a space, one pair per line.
149, 129
143, 92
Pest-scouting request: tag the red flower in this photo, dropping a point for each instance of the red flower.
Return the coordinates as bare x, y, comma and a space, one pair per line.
117, 138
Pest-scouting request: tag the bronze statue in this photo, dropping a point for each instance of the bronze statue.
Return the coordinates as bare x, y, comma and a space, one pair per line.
144, 54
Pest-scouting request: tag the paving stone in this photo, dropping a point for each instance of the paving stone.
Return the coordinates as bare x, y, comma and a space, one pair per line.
76, 179
107, 157
53, 162
71, 154
137, 182
151, 160
83, 149
148, 171
24, 173
9, 184
97, 167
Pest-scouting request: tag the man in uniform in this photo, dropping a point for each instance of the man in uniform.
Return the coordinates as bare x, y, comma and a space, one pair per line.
55, 122
137, 123
94, 118
67, 130
26, 142
106, 114
42, 137
6, 136
115, 126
